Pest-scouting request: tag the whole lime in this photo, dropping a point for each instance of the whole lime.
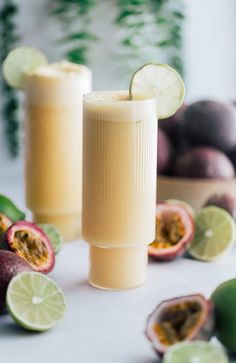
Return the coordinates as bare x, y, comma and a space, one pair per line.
224, 298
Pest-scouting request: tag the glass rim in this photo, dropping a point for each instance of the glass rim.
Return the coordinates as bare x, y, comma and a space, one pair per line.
116, 96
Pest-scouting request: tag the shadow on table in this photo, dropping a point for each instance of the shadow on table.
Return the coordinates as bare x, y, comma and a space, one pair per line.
10, 328
148, 360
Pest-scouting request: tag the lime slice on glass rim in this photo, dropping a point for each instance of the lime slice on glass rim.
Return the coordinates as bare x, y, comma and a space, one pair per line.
20, 62
215, 234
162, 82
35, 301
54, 235
195, 352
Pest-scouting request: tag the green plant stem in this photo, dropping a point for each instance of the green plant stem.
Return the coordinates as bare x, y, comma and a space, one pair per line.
10, 105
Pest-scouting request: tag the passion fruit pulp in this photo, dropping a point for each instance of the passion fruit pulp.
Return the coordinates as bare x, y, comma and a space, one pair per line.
5, 223
180, 319
174, 232
31, 243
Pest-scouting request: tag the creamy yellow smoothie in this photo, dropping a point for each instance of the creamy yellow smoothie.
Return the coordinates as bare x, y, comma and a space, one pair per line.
53, 144
119, 186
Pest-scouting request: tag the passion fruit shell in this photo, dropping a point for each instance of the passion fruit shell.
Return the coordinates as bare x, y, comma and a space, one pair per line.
174, 232
11, 264
180, 319
5, 223
31, 243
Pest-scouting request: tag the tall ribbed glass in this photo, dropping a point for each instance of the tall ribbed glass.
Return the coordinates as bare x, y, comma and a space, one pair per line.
53, 158
119, 186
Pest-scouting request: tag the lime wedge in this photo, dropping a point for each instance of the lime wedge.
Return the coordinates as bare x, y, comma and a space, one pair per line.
20, 62
195, 352
162, 82
34, 301
54, 235
215, 234
183, 204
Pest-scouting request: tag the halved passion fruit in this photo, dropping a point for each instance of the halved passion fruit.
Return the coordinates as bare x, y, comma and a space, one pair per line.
31, 243
5, 223
174, 232
181, 319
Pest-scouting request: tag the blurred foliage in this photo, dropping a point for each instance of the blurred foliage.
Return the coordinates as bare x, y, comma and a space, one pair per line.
75, 19
169, 18
9, 100
143, 25
152, 25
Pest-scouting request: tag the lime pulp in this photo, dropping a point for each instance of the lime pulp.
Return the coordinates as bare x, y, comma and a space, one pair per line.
54, 236
195, 352
215, 234
20, 62
161, 82
35, 301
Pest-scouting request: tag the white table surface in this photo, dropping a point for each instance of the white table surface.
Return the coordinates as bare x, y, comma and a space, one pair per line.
102, 326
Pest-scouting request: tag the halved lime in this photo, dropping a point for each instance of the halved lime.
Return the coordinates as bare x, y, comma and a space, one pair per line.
20, 62
35, 301
183, 204
162, 82
215, 234
54, 235
195, 352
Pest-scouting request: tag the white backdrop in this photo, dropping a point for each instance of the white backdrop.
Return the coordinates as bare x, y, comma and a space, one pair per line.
210, 49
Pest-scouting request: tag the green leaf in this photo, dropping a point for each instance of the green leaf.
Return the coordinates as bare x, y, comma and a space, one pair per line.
162, 20
125, 14
178, 14
127, 42
137, 25
58, 11
80, 36
78, 55
165, 43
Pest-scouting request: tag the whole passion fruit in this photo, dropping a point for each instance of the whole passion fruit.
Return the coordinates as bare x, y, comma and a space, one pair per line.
174, 232
5, 223
31, 243
203, 162
180, 319
11, 264
223, 200
164, 153
211, 123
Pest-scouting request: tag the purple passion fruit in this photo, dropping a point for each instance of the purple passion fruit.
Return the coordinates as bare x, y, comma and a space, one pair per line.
225, 201
11, 264
233, 158
181, 319
31, 243
204, 162
174, 232
173, 125
5, 223
211, 123
164, 152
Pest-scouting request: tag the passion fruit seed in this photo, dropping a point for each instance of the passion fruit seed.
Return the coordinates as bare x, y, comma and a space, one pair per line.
30, 242
30, 247
174, 232
168, 232
180, 319
177, 322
